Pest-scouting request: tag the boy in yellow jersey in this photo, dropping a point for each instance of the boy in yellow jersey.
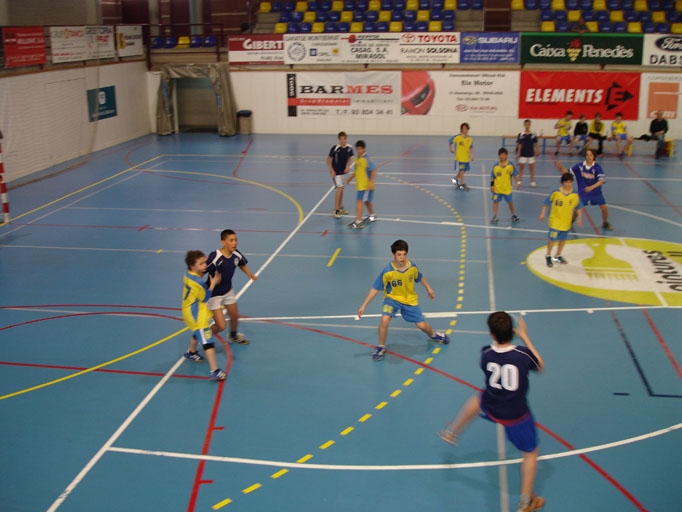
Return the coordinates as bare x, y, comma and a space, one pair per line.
365, 173
597, 132
195, 312
563, 131
501, 184
563, 204
619, 133
463, 147
397, 282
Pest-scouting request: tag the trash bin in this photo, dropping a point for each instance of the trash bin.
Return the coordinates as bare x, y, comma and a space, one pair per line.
244, 119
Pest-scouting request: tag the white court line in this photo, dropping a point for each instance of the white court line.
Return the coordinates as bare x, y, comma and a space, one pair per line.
395, 467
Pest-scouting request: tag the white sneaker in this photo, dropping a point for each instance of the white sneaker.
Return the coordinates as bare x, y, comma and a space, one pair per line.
532, 184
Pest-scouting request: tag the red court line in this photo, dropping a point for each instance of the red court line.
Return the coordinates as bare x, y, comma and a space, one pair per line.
241, 159
101, 370
90, 313
36, 306
660, 339
654, 189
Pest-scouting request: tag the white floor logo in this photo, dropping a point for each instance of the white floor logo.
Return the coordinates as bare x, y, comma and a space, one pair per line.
637, 271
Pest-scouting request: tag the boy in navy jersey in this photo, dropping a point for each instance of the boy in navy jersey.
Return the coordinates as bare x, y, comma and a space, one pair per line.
224, 261
503, 401
526, 151
338, 161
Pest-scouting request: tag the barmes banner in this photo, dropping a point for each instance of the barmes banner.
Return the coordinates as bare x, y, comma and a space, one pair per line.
581, 48
548, 95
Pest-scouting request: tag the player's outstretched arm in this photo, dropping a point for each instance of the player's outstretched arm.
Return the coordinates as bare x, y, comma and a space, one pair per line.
429, 290
249, 274
543, 212
561, 167
372, 293
522, 332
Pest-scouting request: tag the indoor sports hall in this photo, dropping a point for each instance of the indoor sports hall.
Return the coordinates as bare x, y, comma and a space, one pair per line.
101, 411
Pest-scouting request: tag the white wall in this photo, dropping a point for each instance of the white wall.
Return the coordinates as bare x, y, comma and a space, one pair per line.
53, 12
44, 116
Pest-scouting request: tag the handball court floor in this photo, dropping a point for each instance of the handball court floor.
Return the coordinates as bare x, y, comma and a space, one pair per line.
99, 410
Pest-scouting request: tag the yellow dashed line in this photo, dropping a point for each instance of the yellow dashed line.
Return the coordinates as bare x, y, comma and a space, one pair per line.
435, 350
395, 393
221, 504
305, 458
453, 322
326, 445
365, 418
333, 258
448, 331
251, 489
429, 360
418, 371
381, 405
159, 252
458, 306
347, 431
281, 472
408, 382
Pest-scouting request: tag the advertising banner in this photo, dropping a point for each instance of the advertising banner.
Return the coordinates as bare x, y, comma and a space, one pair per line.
255, 49
490, 47
372, 48
101, 103
663, 92
24, 46
662, 50
69, 44
373, 94
129, 40
548, 95
100, 42
547, 47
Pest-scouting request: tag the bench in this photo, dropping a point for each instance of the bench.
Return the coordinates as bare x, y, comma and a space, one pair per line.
541, 139
510, 140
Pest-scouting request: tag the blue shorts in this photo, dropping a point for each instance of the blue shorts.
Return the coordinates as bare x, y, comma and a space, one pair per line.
593, 200
203, 335
411, 314
498, 197
621, 136
555, 234
462, 166
520, 432
365, 196
581, 138
564, 138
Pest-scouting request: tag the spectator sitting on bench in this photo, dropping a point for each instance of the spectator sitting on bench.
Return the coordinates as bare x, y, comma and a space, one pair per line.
579, 134
658, 129
619, 133
597, 129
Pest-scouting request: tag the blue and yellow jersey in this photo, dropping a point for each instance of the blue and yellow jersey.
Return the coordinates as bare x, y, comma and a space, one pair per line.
463, 147
597, 127
363, 169
618, 128
195, 295
563, 127
561, 208
399, 284
502, 174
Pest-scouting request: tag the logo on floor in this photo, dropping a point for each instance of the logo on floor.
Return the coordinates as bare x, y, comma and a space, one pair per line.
637, 271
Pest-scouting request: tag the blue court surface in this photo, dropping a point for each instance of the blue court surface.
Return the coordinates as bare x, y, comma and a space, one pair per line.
100, 411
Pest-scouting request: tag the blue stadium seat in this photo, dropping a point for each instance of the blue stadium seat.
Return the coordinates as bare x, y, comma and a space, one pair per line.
586, 5
397, 15
673, 17
613, 5
476, 5
620, 26
560, 16
448, 15
362, 5
436, 16
631, 16
296, 16
210, 41
547, 15
668, 5
572, 5
170, 42
399, 4
305, 27
289, 6
602, 16
325, 5
372, 16
437, 5
330, 27
158, 42
358, 16
276, 7
410, 16
313, 6
292, 28
343, 27
386, 5
322, 16
654, 5
648, 27
408, 26
196, 42
284, 17
627, 5
663, 28
561, 26
463, 5
382, 26
545, 5
369, 26
348, 5
424, 5
448, 26
645, 16
334, 16
605, 26
589, 16
531, 5
422, 26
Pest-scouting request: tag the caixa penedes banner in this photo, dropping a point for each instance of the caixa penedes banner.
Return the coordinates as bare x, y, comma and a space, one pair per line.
581, 48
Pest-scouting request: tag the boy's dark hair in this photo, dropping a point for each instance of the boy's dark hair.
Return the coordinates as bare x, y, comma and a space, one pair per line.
598, 114
191, 258
593, 151
567, 176
526, 121
225, 233
569, 112
502, 150
463, 125
360, 144
399, 245
501, 326
619, 114
341, 134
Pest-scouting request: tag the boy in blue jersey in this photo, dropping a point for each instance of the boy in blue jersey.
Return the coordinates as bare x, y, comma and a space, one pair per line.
563, 205
590, 178
463, 147
365, 174
503, 401
526, 151
338, 161
195, 310
225, 261
397, 280
501, 185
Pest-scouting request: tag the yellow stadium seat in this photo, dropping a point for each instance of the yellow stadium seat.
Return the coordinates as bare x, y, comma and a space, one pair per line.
517, 5
676, 28
616, 16
658, 17
547, 26
423, 15
356, 26
635, 27
450, 5
346, 16
280, 28
337, 5
600, 5
265, 7
183, 42
435, 26
573, 15
592, 26
309, 17
641, 5
301, 6
678, 6
318, 27
412, 5
395, 26
558, 5
385, 16
374, 5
